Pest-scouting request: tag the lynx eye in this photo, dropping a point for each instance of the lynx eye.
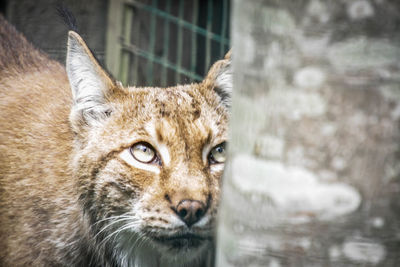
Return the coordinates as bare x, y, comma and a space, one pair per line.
143, 152
217, 154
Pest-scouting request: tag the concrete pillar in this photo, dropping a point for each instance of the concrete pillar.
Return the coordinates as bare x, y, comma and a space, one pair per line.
314, 173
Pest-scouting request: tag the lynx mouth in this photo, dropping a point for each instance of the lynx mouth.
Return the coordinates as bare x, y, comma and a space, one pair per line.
179, 241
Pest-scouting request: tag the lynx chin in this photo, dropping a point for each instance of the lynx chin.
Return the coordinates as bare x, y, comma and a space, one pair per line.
97, 174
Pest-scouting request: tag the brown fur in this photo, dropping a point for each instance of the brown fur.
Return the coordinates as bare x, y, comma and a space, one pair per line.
61, 177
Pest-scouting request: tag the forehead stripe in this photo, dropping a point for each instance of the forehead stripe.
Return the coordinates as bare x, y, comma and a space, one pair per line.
159, 146
164, 153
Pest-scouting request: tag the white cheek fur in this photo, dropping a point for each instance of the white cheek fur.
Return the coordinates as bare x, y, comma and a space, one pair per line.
128, 158
217, 167
164, 153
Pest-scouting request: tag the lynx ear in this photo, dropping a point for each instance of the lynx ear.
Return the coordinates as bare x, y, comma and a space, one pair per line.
89, 83
221, 76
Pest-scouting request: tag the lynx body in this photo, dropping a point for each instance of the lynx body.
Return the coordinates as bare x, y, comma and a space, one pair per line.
97, 174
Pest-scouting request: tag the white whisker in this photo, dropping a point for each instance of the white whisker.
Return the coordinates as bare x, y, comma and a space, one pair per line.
119, 230
112, 224
112, 218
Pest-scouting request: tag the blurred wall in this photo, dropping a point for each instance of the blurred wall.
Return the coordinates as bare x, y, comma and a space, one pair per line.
313, 177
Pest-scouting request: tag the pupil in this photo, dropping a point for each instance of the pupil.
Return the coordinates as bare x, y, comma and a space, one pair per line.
144, 149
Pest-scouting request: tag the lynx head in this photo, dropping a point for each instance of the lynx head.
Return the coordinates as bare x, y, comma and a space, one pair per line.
148, 160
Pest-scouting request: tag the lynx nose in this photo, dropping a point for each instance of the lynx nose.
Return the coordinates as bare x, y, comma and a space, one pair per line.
190, 211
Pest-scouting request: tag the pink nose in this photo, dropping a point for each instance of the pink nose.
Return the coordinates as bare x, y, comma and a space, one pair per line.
190, 211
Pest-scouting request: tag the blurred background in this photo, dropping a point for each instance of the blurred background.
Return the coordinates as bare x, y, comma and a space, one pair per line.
144, 42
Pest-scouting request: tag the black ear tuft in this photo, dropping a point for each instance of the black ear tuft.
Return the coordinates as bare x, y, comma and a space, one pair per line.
67, 16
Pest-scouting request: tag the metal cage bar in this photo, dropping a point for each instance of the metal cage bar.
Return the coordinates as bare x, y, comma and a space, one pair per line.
134, 64
149, 76
179, 42
126, 36
208, 36
165, 47
224, 25
195, 17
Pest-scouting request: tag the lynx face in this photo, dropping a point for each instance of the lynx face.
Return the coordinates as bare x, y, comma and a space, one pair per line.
148, 160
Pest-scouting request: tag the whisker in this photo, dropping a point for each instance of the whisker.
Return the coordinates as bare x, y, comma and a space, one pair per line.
111, 224
111, 218
117, 231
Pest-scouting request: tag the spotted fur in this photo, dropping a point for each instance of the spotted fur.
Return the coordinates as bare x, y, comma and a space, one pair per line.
69, 194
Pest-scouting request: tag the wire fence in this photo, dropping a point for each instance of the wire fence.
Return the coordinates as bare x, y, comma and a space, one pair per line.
162, 43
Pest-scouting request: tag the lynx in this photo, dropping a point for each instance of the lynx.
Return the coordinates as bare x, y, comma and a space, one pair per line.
97, 174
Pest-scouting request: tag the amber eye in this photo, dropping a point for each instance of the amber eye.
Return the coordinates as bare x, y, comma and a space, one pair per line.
217, 154
143, 152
